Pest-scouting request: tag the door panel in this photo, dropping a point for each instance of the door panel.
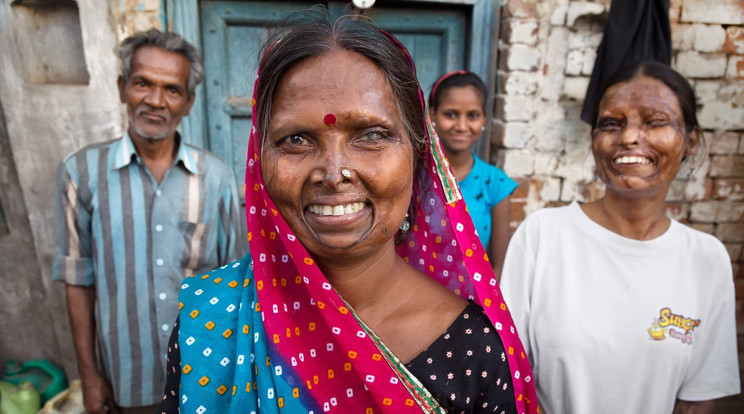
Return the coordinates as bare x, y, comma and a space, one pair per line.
434, 38
232, 32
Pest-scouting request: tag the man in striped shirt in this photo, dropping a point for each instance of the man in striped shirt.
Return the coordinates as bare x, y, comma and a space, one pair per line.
133, 217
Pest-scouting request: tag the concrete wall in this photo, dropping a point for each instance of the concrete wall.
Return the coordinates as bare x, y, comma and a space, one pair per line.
44, 122
547, 54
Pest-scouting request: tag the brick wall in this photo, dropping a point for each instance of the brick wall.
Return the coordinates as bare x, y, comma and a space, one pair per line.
546, 55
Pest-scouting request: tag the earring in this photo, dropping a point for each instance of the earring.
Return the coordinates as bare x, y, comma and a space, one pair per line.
483, 128
405, 225
346, 173
434, 124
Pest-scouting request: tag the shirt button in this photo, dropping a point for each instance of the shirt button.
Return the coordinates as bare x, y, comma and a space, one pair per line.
164, 327
158, 193
158, 228
159, 262
162, 296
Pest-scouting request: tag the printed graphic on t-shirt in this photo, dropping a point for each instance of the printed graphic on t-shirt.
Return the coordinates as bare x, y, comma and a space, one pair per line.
672, 325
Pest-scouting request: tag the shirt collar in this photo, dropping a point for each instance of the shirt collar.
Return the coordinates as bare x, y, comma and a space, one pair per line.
125, 153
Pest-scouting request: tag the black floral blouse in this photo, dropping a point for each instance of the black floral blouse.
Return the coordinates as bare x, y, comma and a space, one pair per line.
465, 369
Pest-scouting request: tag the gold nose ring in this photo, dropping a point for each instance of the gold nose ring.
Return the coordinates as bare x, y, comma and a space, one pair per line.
346, 173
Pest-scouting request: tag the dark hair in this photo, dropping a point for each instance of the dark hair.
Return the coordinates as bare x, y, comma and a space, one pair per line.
170, 42
676, 82
314, 32
456, 79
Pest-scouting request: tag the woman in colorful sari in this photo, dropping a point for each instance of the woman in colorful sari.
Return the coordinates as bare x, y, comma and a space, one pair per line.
367, 290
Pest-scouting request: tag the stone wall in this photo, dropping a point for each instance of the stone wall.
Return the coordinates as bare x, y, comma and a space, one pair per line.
547, 52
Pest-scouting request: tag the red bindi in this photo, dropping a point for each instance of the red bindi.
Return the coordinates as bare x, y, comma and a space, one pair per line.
330, 120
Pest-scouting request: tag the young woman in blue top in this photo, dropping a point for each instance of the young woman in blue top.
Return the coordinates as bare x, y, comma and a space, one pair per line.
457, 105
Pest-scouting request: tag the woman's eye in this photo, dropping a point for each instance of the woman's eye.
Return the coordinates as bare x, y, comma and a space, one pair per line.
295, 140
474, 115
450, 115
373, 136
658, 122
607, 124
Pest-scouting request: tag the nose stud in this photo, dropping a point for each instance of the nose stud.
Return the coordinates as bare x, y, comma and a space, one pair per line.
346, 173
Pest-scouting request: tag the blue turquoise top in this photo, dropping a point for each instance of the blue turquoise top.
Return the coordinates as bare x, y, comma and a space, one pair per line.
483, 188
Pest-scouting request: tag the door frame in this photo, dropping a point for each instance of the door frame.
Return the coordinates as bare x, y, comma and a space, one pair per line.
182, 17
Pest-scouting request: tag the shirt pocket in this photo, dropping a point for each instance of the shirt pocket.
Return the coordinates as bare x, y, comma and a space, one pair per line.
200, 250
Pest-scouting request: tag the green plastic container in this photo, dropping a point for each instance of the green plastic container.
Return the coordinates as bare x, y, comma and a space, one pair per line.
46, 377
21, 399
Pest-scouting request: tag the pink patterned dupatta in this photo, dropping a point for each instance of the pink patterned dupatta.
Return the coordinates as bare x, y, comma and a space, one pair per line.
335, 360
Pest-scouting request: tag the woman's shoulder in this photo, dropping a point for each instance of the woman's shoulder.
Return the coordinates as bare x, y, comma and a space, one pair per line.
490, 170
553, 216
697, 244
227, 280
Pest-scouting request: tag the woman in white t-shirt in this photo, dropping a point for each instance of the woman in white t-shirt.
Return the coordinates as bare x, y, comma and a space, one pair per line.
620, 308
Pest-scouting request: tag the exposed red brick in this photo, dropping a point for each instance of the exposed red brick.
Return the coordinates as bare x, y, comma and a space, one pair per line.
730, 232
521, 9
517, 211
678, 211
734, 40
497, 134
739, 286
728, 189
734, 251
727, 166
551, 204
523, 189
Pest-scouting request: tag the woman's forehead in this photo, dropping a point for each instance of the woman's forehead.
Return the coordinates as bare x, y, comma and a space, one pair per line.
339, 79
329, 72
641, 92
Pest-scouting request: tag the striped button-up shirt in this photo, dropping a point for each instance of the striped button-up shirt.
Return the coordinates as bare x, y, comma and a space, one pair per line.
133, 239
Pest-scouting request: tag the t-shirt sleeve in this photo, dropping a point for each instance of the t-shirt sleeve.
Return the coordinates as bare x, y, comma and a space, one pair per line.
501, 185
714, 369
516, 284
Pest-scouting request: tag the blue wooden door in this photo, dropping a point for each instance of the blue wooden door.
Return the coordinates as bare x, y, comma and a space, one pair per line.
231, 32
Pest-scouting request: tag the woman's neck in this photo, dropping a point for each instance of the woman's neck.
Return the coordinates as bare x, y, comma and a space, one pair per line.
368, 281
639, 217
461, 163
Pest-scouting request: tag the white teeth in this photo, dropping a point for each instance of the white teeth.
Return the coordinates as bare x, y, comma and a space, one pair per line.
337, 210
632, 159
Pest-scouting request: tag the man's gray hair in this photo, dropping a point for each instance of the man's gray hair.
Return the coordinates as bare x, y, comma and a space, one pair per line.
170, 42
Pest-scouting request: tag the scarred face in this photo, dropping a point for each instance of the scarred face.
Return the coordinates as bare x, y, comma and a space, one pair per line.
337, 161
459, 118
640, 140
156, 93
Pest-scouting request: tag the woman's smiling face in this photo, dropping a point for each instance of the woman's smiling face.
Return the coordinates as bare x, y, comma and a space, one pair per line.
331, 113
459, 118
640, 139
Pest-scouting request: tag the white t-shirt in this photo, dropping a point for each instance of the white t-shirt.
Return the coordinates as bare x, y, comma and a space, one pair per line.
616, 325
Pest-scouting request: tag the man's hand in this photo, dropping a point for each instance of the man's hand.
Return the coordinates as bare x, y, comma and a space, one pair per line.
98, 397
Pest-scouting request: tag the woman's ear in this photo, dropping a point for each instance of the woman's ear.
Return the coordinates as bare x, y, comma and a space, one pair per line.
693, 142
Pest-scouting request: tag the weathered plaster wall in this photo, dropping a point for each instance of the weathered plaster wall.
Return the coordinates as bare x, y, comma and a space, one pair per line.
547, 52
44, 123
